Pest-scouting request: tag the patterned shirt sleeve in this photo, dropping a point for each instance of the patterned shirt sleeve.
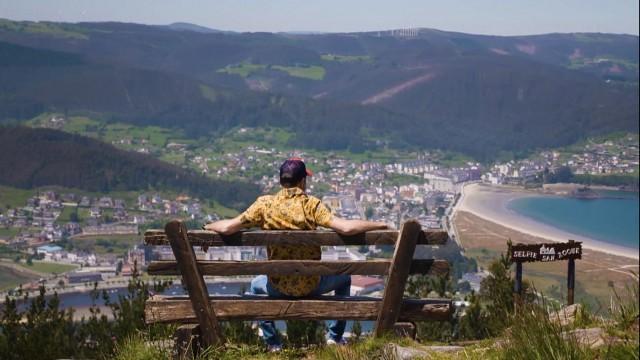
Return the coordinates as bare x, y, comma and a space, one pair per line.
322, 215
254, 215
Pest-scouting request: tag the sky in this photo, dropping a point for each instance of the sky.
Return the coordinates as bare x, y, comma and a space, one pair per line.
495, 17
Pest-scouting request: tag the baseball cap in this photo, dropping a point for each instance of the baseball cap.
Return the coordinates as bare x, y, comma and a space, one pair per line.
293, 170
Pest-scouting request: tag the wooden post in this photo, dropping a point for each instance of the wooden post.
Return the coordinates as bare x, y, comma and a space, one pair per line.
210, 333
397, 279
571, 281
571, 278
517, 286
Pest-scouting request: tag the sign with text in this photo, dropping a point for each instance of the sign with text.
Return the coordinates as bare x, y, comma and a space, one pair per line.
546, 252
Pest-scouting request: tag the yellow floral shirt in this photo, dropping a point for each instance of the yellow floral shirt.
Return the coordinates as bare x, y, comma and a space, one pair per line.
290, 209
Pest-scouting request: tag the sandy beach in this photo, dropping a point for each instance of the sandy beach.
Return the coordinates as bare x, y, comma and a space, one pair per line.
490, 203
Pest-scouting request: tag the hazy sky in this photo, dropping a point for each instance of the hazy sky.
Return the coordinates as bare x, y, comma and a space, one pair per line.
505, 17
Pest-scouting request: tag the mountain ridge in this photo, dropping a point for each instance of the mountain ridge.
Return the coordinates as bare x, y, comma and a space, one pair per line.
485, 94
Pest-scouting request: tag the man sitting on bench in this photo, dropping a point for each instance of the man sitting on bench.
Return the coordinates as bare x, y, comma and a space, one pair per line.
292, 209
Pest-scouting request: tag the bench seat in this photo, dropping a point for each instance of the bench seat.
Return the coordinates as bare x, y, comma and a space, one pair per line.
178, 309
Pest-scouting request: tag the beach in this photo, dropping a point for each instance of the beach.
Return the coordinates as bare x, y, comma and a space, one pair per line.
483, 225
490, 203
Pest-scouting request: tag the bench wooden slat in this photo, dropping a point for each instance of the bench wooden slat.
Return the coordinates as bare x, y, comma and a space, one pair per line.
179, 309
299, 237
299, 267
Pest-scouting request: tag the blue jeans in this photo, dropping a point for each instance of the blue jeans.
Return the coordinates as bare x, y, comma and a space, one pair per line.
340, 283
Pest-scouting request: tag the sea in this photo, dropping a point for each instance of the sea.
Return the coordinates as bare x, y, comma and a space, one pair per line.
612, 217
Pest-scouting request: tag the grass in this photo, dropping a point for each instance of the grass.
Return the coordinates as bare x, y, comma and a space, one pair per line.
8, 233
11, 197
155, 136
49, 267
583, 62
9, 279
135, 348
65, 215
243, 69
346, 58
403, 179
312, 72
533, 335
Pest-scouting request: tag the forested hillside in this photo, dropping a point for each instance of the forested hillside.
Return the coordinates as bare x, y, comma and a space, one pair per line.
481, 95
38, 157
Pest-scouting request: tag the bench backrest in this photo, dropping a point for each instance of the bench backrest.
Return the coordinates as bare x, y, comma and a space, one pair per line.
386, 311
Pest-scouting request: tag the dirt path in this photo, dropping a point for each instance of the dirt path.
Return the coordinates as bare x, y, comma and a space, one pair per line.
393, 91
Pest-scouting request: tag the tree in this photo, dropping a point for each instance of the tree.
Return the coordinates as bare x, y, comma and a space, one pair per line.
305, 332
473, 325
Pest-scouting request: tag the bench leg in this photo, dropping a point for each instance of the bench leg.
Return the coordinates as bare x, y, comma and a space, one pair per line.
397, 278
187, 342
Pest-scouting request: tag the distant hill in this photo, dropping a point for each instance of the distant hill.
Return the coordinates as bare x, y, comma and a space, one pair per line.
481, 95
191, 27
38, 157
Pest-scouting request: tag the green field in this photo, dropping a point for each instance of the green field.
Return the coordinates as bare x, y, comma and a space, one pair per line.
154, 136
9, 278
403, 179
346, 58
11, 197
48, 267
243, 69
312, 72
65, 215
8, 233
582, 62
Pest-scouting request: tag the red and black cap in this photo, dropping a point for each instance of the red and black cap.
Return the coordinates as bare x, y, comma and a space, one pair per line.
292, 171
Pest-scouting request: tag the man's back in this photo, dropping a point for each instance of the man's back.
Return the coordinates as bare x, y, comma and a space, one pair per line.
290, 209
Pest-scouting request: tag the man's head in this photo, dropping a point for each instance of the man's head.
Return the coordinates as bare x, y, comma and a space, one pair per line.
293, 172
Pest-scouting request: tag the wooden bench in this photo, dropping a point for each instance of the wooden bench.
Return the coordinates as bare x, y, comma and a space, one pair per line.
204, 310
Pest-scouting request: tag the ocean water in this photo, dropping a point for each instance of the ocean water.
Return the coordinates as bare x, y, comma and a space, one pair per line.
613, 218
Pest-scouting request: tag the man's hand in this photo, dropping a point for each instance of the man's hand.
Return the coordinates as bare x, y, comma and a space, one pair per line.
225, 227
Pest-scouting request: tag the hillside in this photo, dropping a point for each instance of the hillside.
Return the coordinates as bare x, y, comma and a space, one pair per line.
481, 95
39, 157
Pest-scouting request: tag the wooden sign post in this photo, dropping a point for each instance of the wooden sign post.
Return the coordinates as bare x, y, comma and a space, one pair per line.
570, 251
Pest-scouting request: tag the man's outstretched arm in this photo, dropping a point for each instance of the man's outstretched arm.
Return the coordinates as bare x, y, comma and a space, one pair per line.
226, 227
352, 227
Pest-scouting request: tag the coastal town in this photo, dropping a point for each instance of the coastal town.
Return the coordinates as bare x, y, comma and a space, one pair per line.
52, 225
